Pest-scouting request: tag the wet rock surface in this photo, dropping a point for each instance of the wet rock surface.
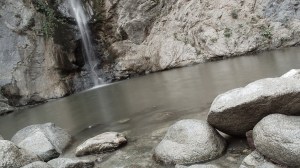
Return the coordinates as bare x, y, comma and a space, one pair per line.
71, 163
255, 159
190, 141
46, 140
38, 164
237, 111
13, 156
105, 142
277, 137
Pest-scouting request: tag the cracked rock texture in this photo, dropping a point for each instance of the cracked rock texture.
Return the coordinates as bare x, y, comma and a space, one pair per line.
277, 137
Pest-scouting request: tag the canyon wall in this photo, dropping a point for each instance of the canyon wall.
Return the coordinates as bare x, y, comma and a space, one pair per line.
41, 57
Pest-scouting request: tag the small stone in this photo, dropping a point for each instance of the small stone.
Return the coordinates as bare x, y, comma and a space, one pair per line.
198, 166
71, 163
38, 164
190, 141
255, 159
277, 137
12, 156
105, 142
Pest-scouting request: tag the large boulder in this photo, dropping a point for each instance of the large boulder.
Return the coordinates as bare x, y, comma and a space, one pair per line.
105, 142
38, 164
239, 110
190, 141
255, 159
12, 156
277, 137
46, 140
71, 163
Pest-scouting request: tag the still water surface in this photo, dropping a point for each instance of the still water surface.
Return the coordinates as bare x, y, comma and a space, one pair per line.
146, 104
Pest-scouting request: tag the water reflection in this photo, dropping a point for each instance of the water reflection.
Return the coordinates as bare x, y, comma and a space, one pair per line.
156, 98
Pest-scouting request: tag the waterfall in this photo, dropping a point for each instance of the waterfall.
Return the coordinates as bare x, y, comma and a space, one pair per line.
82, 22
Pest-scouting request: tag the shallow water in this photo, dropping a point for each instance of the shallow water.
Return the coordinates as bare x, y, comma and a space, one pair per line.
144, 107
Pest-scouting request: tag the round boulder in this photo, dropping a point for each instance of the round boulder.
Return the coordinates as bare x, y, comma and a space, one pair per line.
46, 140
190, 141
277, 137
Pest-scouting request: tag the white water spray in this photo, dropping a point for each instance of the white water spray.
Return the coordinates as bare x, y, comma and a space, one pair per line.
82, 21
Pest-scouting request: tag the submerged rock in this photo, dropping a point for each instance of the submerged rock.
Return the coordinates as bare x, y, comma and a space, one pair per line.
105, 142
38, 164
71, 163
255, 159
12, 156
190, 141
46, 140
277, 137
239, 110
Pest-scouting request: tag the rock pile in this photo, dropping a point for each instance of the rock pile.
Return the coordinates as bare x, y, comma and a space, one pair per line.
270, 107
40, 146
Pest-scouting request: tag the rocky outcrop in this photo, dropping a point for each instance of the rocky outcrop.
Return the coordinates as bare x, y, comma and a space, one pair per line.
189, 141
38, 164
13, 156
41, 53
255, 159
45, 140
277, 137
147, 36
239, 110
71, 163
105, 142
37, 57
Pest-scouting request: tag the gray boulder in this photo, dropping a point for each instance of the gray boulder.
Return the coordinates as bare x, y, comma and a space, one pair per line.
239, 110
12, 156
105, 142
46, 140
277, 137
190, 141
38, 164
71, 163
255, 159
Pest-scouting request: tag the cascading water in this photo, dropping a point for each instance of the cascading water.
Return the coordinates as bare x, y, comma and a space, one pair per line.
82, 22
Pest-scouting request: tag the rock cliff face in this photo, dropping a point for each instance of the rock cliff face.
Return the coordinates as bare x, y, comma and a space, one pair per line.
153, 35
37, 55
40, 55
